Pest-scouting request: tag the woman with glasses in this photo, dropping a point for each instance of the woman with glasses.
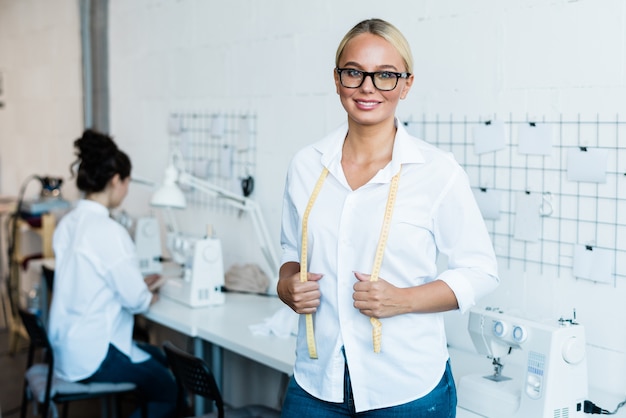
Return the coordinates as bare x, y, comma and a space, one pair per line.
366, 212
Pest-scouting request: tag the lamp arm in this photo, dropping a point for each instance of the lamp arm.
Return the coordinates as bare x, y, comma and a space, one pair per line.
264, 237
245, 204
211, 189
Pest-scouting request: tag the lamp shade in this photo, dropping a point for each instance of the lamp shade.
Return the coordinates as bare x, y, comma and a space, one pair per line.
169, 194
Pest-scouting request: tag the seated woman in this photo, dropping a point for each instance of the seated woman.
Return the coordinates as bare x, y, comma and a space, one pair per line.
98, 287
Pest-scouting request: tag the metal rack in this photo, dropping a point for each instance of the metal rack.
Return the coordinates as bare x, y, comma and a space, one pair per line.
216, 146
591, 214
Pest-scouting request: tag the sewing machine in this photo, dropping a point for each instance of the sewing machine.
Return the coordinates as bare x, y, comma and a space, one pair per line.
551, 380
203, 271
147, 236
202, 277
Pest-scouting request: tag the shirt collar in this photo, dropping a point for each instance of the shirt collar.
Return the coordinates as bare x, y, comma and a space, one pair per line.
406, 150
92, 206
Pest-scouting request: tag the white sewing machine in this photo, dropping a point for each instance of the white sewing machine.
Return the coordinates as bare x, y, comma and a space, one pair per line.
146, 234
551, 381
203, 271
148, 245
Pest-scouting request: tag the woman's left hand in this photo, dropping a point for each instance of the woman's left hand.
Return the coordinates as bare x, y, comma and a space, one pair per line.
379, 299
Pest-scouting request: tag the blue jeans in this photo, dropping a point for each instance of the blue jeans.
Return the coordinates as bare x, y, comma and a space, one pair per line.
155, 382
439, 403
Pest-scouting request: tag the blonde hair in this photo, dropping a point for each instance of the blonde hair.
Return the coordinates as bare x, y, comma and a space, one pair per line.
386, 31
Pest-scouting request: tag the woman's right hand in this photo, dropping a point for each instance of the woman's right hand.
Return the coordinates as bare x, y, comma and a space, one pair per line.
302, 297
155, 297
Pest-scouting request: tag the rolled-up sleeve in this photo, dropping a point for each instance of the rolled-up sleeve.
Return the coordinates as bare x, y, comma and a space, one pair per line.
127, 282
289, 228
462, 236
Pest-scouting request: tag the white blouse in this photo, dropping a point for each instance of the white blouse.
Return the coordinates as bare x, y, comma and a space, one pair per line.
435, 212
98, 288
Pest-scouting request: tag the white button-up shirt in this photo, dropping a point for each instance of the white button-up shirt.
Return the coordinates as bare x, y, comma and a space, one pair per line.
98, 287
434, 212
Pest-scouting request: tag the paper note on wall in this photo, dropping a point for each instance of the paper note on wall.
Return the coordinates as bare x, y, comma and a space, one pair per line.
202, 168
534, 139
587, 164
186, 144
244, 137
488, 202
226, 161
527, 216
490, 136
174, 124
218, 126
593, 263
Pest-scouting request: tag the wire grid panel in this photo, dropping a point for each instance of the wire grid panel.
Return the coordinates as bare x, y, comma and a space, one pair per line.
582, 213
216, 146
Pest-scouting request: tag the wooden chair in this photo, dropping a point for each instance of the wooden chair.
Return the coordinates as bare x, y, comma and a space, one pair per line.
194, 376
47, 390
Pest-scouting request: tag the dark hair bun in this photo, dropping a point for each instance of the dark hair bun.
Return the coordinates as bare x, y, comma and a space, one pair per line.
99, 159
94, 146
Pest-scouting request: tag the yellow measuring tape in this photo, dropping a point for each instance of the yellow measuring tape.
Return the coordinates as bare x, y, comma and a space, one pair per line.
378, 260
377, 330
310, 334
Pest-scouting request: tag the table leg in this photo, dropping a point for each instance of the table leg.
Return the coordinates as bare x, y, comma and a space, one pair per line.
198, 349
216, 364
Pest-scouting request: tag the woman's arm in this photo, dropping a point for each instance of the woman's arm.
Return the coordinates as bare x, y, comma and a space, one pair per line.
381, 299
302, 297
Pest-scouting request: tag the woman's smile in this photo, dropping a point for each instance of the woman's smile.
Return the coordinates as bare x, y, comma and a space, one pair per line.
367, 104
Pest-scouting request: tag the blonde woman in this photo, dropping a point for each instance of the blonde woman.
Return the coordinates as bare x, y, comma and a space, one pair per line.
376, 206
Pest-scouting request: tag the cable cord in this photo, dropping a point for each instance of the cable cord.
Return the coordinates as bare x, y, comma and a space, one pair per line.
592, 408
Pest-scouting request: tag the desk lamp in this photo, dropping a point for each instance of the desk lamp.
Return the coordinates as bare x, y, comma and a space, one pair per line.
169, 195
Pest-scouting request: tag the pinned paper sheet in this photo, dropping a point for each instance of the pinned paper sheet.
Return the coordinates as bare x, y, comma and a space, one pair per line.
218, 126
174, 125
587, 164
226, 161
244, 137
202, 168
535, 139
528, 216
488, 202
593, 263
489, 136
186, 144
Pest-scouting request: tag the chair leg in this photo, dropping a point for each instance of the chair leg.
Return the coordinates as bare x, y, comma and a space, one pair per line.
144, 406
115, 406
24, 402
105, 407
45, 408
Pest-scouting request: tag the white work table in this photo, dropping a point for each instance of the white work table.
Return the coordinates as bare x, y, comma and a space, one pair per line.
228, 326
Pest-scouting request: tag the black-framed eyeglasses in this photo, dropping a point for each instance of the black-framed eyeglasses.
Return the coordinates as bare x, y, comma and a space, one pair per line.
383, 80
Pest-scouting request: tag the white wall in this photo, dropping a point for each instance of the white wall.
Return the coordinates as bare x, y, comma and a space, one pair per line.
535, 58
532, 57
40, 66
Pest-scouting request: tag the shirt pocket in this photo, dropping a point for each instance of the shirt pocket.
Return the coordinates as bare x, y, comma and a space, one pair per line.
410, 234
411, 251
